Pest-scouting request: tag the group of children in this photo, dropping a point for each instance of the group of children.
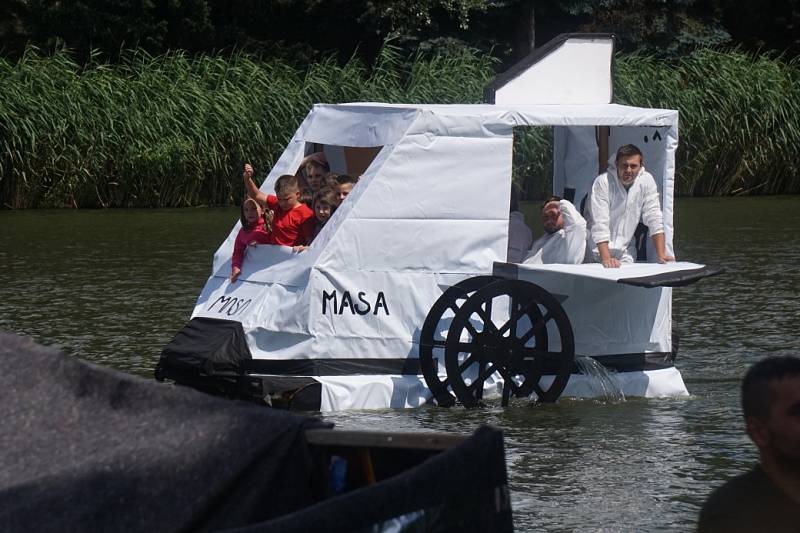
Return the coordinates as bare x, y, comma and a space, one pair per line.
295, 214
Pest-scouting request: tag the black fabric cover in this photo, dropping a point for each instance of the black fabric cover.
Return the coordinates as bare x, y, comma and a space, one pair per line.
334, 367
84, 448
208, 343
680, 278
461, 490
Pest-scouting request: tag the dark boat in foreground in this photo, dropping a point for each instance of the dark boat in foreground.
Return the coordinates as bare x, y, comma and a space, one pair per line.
86, 448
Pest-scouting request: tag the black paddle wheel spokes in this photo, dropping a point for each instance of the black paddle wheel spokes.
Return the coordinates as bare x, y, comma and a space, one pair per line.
432, 341
518, 350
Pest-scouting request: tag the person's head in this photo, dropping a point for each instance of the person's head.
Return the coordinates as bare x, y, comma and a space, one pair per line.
345, 185
317, 169
326, 200
287, 189
771, 406
250, 213
628, 163
552, 220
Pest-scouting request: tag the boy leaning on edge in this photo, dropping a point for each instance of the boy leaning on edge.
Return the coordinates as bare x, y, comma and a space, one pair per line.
294, 222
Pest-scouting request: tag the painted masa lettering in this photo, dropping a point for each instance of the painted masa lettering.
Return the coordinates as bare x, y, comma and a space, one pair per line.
230, 305
361, 306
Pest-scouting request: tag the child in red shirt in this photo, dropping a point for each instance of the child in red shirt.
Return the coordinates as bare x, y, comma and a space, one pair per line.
256, 229
294, 222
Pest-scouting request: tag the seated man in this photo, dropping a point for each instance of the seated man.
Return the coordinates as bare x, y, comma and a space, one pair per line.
618, 200
564, 240
294, 222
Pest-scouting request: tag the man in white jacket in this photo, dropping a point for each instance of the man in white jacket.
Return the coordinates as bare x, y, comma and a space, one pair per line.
564, 240
619, 199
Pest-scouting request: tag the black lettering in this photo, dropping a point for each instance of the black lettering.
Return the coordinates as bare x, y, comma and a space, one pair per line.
380, 301
233, 309
225, 301
326, 297
245, 305
346, 300
366, 303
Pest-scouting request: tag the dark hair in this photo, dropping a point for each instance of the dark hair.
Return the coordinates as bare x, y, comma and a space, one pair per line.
286, 182
306, 196
756, 393
328, 196
341, 179
551, 199
330, 181
318, 163
628, 150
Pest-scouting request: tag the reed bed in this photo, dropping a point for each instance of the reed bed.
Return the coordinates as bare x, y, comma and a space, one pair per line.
739, 118
172, 130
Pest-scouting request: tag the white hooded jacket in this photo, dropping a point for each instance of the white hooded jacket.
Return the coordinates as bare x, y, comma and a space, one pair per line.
613, 212
567, 245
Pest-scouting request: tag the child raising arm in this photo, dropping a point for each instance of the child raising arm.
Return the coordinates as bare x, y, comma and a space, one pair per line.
294, 222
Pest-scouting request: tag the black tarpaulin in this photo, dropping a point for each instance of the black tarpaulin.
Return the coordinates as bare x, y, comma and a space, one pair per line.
84, 448
461, 490
208, 343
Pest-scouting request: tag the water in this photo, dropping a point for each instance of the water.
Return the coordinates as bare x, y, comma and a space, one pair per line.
114, 286
602, 384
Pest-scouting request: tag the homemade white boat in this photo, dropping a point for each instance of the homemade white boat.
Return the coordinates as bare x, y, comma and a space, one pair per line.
405, 297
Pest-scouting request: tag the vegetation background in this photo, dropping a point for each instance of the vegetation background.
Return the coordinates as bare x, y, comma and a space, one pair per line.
158, 102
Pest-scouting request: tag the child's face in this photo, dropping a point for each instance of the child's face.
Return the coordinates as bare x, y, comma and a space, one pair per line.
323, 211
316, 176
252, 212
344, 190
288, 199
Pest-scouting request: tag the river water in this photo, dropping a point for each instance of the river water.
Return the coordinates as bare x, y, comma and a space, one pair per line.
113, 286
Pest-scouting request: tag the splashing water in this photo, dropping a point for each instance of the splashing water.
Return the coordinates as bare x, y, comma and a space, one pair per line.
599, 379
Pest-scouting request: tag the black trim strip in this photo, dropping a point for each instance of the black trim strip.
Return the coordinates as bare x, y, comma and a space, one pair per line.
505, 270
680, 278
636, 362
537, 55
333, 367
629, 362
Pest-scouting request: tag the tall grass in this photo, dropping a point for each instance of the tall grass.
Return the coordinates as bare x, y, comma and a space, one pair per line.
171, 130
739, 118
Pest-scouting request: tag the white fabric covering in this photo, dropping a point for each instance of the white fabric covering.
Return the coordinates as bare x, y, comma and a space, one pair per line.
399, 392
431, 210
578, 71
567, 245
614, 212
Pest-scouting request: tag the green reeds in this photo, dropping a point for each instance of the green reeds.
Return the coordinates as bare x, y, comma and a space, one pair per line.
739, 118
171, 130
